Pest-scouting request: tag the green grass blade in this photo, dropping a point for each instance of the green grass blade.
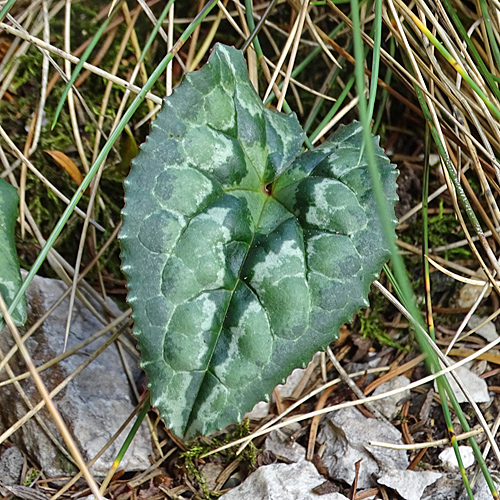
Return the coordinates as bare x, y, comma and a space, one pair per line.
430, 319
377, 42
157, 26
6, 8
332, 84
385, 95
253, 38
146, 406
489, 30
442, 380
256, 29
333, 111
397, 262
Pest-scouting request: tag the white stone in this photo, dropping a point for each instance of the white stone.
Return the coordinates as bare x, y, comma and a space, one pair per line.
260, 410
488, 331
409, 484
282, 482
475, 386
447, 487
391, 405
449, 460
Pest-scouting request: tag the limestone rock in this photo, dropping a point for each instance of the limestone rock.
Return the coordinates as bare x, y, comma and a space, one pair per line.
280, 444
391, 406
409, 484
488, 331
94, 405
346, 433
481, 490
282, 482
469, 294
447, 487
475, 385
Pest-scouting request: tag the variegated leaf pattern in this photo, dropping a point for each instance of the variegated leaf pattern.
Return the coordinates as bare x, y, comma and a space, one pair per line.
10, 274
242, 259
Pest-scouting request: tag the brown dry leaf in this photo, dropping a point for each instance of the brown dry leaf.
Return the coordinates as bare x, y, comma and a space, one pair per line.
326, 488
67, 164
344, 333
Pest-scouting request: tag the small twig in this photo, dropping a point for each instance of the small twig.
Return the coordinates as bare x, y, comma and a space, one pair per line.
428, 444
313, 430
354, 388
354, 487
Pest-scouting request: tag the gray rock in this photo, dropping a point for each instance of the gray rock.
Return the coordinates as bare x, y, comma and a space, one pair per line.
280, 444
488, 331
475, 385
11, 466
391, 405
346, 433
409, 484
94, 405
480, 489
447, 487
282, 482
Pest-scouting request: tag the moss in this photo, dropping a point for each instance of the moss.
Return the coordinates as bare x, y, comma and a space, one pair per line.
191, 457
31, 476
443, 229
250, 453
372, 325
248, 457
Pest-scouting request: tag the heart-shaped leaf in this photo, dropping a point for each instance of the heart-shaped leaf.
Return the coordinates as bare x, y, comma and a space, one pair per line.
10, 275
242, 259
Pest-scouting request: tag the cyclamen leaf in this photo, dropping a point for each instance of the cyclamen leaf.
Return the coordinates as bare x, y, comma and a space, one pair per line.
242, 259
10, 274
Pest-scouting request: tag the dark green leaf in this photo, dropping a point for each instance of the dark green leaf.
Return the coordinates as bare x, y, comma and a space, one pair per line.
10, 275
242, 259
